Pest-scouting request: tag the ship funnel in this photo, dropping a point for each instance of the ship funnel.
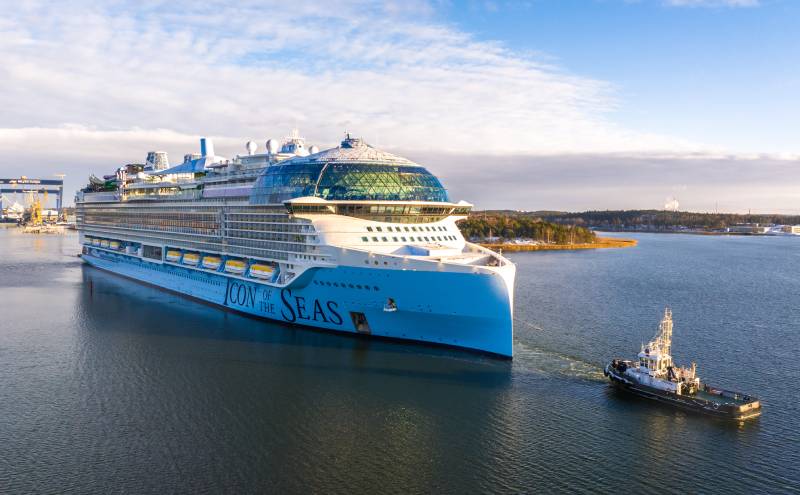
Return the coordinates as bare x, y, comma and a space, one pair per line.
206, 147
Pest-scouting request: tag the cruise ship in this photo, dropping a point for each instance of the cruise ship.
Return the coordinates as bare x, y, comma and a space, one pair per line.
349, 239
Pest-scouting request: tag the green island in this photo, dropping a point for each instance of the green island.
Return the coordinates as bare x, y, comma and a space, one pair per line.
517, 231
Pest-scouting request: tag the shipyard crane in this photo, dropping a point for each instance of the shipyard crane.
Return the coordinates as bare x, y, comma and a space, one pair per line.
61, 211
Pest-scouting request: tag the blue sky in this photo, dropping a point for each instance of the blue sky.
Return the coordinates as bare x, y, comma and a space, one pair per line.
727, 73
544, 104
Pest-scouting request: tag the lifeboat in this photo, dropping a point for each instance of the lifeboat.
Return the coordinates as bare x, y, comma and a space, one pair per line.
235, 266
174, 256
95, 242
114, 245
211, 262
191, 259
104, 243
261, 271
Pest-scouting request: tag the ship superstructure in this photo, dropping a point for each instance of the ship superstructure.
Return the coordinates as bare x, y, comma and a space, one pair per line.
351, 238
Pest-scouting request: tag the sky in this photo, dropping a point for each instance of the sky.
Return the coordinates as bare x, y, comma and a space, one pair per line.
537, 104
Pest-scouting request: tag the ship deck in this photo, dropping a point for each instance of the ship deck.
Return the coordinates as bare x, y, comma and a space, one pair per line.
725, 397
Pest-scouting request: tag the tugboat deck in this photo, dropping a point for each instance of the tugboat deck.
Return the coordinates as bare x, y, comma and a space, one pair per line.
724, 397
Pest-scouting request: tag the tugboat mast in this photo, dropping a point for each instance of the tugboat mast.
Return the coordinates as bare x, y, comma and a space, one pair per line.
662, 342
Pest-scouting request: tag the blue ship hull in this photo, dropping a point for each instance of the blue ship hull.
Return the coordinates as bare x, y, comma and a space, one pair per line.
466, 310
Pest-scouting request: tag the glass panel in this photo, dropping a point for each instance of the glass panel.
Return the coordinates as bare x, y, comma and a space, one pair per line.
348, 181
356, 181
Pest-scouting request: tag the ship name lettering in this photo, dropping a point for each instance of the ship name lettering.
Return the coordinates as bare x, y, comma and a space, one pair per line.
297, 308
241, 295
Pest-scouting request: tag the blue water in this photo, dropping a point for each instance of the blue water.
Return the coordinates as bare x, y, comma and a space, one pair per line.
111, 386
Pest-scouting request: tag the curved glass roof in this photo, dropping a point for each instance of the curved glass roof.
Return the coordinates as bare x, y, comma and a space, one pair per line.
354, 171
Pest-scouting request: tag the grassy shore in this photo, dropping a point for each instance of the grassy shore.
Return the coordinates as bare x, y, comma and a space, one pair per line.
601, 242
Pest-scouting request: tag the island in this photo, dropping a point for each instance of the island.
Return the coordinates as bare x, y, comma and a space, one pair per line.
518, 231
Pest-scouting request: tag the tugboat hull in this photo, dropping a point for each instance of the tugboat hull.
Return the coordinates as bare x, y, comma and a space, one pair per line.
713, 402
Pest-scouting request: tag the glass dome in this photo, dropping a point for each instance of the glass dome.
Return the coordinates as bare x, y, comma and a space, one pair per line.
358, 181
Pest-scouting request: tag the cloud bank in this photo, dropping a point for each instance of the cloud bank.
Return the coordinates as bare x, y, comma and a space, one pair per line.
254, 68
91, 85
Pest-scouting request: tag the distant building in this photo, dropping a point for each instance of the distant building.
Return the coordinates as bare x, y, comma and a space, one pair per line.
791, 229
748, 228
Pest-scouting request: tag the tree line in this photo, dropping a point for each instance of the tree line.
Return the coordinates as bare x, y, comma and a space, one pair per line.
663, 219
482, 225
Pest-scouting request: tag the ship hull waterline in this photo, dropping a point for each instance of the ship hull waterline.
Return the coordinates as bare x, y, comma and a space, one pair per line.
477, 318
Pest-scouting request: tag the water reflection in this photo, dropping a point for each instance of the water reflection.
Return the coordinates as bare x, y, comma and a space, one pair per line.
106, 379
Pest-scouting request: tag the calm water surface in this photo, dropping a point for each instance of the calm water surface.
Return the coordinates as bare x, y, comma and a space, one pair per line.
111, 386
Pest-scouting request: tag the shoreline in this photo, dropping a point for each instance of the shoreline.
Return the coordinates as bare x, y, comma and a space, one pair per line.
601, 243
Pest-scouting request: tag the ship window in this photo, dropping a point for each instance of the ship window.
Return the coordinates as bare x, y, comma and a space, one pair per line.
374, 239
414, 229
375, 287
394, 239
364, 239
379, 229
403, 238
388, 229
369, 229
358, 286
384, 239
406, 229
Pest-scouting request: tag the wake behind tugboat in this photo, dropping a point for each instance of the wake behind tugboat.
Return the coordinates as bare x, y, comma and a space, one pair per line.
654, 376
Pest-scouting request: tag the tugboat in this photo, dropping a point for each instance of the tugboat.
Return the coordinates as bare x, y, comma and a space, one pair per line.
654, 376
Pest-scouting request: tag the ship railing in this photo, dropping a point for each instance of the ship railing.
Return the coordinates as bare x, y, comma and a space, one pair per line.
100, 197
492, 258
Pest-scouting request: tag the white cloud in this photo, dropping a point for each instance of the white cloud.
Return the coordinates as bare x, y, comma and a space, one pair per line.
87, 87
255, 68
